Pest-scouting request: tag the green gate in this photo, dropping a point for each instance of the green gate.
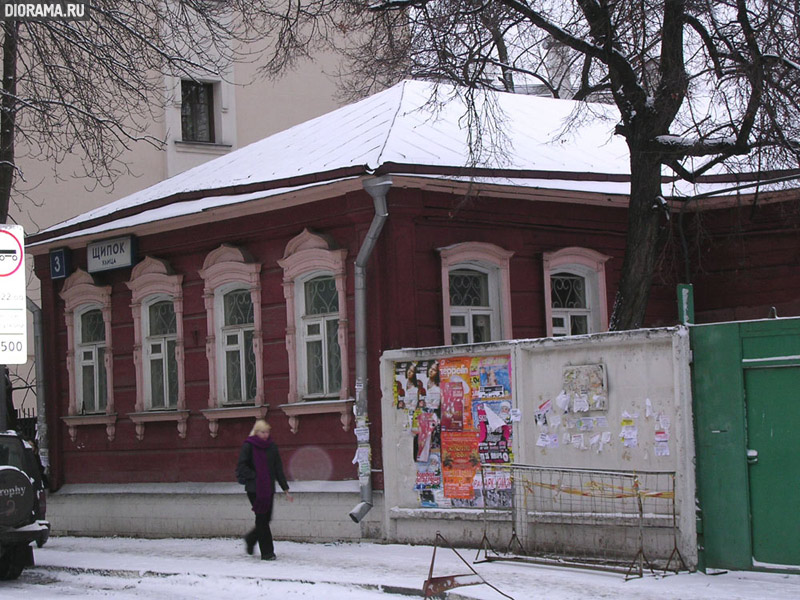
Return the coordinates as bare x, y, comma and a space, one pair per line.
746, 380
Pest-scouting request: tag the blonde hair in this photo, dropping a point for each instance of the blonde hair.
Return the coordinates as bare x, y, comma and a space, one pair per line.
260, 425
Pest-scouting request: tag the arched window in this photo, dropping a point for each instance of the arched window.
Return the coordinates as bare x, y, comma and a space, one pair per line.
87, 314
575, 292
476, 293
316, 329
234, 346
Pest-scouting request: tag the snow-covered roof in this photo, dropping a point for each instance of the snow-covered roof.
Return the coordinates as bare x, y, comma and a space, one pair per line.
413, 127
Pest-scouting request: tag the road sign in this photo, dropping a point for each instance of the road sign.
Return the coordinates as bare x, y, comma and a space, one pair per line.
13, 316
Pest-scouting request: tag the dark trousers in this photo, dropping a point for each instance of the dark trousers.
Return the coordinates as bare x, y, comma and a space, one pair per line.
261, 533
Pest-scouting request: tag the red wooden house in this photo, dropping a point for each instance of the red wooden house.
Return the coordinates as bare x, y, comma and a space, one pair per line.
231, 292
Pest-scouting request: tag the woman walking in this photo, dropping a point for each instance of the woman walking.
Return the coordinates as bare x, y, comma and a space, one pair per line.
259, 467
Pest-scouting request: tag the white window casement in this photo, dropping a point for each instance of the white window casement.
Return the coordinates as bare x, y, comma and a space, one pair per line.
575, 292
157, 309
89, 355
476, 293
318, 308
316, 329
238, 364
90, 351
234, 346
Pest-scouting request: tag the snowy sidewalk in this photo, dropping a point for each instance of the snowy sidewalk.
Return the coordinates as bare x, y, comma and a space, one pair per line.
391, 568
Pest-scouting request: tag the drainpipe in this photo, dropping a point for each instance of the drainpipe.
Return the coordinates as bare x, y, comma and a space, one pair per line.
377, 188
38, 360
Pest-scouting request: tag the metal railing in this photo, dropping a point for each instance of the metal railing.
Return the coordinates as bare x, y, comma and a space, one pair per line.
578, 517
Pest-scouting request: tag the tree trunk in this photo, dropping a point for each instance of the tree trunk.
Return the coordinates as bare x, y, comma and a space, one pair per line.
644, 240
8, 115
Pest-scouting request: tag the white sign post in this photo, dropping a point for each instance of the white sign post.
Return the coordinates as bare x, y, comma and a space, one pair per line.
13, 316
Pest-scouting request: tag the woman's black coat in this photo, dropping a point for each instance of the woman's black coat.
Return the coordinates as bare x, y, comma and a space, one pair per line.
246, 471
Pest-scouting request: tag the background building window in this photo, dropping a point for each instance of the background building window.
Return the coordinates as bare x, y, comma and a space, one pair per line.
571, 311
471, 311
90, 351
197, 111
320, 331
160, 354
237, 340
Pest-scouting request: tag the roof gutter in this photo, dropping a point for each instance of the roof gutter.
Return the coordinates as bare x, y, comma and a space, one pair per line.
377, 188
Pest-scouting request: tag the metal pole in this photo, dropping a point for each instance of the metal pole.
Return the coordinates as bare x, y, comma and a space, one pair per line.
3, 400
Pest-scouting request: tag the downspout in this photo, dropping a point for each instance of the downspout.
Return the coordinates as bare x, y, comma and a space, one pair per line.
38, 360
377, 188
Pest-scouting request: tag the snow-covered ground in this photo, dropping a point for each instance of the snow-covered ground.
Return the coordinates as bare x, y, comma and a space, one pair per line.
220, 569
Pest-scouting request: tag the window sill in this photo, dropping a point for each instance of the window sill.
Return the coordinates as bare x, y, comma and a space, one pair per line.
238, 412
297, 409
202, 147
153, 416
82, 420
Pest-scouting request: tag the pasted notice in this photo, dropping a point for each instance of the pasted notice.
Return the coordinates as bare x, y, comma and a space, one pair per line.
586, 387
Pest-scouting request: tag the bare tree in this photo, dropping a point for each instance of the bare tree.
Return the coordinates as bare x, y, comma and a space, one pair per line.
700, 85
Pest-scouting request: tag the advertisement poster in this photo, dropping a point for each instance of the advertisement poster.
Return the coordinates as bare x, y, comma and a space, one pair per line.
452, 406
494, 431
456, 371
460, 462
492, 374
429, 474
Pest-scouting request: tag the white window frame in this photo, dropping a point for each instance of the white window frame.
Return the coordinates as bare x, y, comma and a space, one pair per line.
303, 321
492, 310
585, 263
80, 294
496, 263
148, 356
223, 347
81, 348
225, 269
153, 280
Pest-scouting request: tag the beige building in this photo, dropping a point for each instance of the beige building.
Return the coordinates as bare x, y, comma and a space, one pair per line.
201, 120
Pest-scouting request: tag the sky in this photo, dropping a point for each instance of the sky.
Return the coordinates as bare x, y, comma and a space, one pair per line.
72, 567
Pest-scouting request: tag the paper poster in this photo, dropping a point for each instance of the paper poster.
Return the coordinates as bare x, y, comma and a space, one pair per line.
452, 373
460, 461
427, 423
416, 384
362, 434
586, 387
452, 406
429, 474
492, 374
495, 485
493, 420
662, 449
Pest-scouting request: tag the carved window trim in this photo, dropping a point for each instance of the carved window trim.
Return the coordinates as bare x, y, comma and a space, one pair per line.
308, 255
224, 269
487, 258
588, 264
153, 280
80, 293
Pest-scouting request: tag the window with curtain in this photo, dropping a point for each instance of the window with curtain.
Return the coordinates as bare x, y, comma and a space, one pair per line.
320, 337
90, 352
240, 384
160, 346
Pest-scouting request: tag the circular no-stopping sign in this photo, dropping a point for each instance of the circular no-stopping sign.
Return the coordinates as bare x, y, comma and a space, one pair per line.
11, 253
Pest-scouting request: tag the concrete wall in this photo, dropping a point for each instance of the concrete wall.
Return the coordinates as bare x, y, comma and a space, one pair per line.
319, 512
648, 384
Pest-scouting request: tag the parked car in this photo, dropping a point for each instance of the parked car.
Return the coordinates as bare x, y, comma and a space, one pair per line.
23, 504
